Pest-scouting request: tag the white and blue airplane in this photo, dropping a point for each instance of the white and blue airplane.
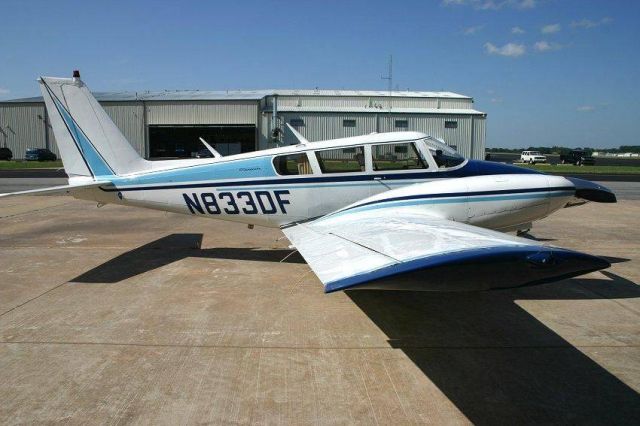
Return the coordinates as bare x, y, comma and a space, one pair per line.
389, 211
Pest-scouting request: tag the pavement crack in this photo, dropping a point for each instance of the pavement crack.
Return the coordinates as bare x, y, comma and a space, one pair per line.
30, 212
32, 299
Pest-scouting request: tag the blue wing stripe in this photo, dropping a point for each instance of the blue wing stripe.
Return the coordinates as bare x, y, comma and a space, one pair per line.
535, 265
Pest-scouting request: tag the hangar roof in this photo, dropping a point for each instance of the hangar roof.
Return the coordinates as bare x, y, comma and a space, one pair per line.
210, 95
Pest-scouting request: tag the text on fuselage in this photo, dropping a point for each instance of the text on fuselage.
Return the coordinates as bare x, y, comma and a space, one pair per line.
241, 202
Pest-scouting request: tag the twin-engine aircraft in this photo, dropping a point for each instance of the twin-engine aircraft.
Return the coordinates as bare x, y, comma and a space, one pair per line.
389, 211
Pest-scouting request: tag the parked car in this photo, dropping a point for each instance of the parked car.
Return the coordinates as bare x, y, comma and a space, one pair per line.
532, 157
40, 154
6, 154
577, 157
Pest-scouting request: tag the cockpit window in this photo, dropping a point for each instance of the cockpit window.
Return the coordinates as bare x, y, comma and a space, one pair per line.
342, 160
444, 156
292, 164
396, 156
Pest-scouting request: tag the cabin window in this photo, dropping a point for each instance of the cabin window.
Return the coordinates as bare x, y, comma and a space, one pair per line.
348, 123
296, 122
396, 156
450, 124
342, 160
292, 164
402, 124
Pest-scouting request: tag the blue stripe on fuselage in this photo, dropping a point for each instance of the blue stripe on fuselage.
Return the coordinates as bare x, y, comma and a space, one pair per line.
454, 198
211, 175
470, 194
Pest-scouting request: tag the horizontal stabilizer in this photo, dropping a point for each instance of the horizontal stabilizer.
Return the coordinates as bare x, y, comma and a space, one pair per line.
58, 190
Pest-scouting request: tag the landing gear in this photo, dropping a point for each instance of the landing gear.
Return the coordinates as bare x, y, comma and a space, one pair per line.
523, 230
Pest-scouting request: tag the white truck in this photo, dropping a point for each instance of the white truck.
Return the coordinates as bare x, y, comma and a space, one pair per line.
532, 157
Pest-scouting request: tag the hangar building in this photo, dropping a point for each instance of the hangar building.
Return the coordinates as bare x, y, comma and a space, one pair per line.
170, 123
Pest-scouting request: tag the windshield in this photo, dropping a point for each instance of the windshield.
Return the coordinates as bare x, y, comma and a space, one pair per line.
443, 154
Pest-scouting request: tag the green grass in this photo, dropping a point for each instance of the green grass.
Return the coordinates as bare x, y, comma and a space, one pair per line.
13, 165
569, 168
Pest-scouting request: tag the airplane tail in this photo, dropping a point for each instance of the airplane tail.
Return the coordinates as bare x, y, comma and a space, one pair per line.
90, 144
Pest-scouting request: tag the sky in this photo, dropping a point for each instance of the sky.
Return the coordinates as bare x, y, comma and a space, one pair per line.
547, 72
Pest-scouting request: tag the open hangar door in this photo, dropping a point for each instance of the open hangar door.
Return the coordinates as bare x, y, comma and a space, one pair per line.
183, 141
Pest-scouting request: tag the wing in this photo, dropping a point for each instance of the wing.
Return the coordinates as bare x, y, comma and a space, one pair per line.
402, 249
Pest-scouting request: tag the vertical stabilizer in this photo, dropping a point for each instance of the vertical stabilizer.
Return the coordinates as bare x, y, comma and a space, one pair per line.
90, 144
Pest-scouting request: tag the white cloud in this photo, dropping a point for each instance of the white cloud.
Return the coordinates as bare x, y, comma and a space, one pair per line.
587, 24
545, 46
517, 30
527, 4
472, 30
488, 5
586, 108
550, 29
4, 91
496, 100
492, 4
510, 49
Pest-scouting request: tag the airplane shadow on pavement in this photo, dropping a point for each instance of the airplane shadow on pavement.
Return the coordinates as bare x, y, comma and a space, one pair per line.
495, 361
173, 248
499, 364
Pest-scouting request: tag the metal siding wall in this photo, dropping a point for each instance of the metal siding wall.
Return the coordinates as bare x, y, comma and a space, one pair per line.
329, 126
479, 137
456, 104
433, 125
129, 117
320, 101
264, 129
324, 126
412, 103
28, 129
364, 101
202, 112
22, 129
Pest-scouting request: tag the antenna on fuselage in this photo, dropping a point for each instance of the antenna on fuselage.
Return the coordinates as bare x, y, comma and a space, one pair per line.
215, 153
301, 139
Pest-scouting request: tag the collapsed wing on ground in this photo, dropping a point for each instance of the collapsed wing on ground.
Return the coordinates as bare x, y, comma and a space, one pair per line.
402, 249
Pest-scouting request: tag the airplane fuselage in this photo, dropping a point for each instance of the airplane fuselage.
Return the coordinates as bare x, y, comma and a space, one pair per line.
248, 188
